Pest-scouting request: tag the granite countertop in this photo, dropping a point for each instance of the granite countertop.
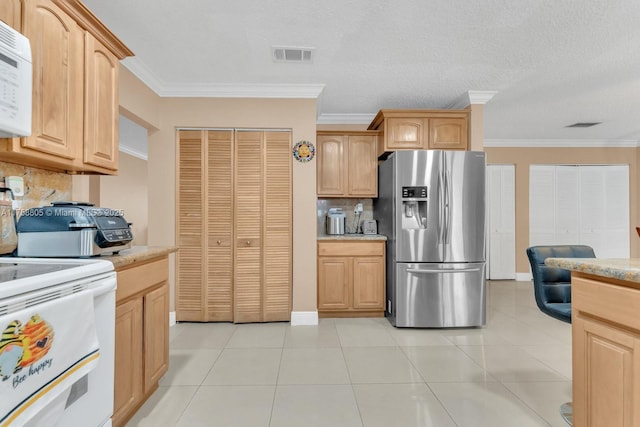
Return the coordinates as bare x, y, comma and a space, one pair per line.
138, 254
627, 269
351, 237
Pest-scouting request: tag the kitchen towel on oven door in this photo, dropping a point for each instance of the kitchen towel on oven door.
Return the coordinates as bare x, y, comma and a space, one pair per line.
45, 349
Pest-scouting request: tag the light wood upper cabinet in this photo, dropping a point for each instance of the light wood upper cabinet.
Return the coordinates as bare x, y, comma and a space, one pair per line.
331, 165
10, 13
347, 164
448, 134
75, 87
421, 130
407, 133
57, 48
101, 105
362, 166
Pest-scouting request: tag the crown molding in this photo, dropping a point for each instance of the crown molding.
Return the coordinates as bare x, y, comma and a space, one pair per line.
142, 72
135, 153
561, 143
248, 90
344, 119
221, 90
472, 97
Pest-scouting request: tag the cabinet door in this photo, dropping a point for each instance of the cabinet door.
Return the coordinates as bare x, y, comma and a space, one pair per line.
10, 13
57, 51
277, 251
368, 283
219, 223
606, 372
362, 166
101, 105
334, 283
156, 335
448, 134
190, 223
406, 133
248, 212
331, 179
128, 359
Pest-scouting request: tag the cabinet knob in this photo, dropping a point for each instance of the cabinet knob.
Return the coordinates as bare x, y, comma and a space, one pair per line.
248, 242
219, 242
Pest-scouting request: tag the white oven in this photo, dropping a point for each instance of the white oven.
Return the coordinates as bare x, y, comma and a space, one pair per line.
57, 318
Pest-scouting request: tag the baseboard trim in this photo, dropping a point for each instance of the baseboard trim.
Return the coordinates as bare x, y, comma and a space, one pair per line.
523, 277
172, 318
301, 318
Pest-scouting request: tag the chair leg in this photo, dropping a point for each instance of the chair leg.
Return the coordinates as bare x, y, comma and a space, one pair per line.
566, 410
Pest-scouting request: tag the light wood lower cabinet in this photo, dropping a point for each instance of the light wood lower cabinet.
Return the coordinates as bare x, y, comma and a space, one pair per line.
351, 278
142, 335
128, 360
606, 352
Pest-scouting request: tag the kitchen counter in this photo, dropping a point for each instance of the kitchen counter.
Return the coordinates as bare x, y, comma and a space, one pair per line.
605, 331
626, 269
351, 237
137, 254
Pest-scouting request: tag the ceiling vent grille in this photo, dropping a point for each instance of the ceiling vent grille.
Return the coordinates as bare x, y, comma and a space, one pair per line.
583, 124
292, 54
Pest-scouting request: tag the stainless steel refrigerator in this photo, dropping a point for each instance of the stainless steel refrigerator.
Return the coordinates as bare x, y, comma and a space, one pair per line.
431, 207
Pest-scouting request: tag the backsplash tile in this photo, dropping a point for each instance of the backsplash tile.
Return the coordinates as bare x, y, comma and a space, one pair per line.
347, 206
41, 187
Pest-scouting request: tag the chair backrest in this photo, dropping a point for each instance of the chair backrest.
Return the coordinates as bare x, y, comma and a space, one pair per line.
552, 284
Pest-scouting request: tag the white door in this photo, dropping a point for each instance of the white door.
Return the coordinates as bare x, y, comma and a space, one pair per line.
604, 207
585, 204
501, 260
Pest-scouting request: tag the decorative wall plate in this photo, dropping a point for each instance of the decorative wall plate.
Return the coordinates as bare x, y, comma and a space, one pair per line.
304, 151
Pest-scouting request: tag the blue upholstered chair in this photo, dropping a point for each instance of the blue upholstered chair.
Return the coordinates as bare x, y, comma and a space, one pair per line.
552, 288
551, 285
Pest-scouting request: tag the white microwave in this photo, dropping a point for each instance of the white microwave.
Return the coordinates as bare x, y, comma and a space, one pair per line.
16, 72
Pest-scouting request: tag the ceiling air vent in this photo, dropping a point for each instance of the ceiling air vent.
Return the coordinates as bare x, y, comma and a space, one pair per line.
583, 124
292, 54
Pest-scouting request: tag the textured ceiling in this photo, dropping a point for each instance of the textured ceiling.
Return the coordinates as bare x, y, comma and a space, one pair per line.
552, 63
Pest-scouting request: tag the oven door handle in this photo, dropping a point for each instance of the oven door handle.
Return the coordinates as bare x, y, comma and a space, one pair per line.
103, 284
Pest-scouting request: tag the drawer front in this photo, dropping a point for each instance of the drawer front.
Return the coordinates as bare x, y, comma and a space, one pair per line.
351, 248
141, 277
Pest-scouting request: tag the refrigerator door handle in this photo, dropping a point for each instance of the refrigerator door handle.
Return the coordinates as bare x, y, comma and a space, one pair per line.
435, 270
447, 201
441, 214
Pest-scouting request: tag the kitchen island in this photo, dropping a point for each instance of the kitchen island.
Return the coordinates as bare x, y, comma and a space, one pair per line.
606, 340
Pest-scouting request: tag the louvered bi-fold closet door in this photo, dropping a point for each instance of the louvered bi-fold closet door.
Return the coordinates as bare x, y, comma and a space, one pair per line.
247, 304
219, 226
277, 242
190, 270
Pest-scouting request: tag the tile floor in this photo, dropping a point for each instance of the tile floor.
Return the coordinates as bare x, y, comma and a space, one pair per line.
516, 371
